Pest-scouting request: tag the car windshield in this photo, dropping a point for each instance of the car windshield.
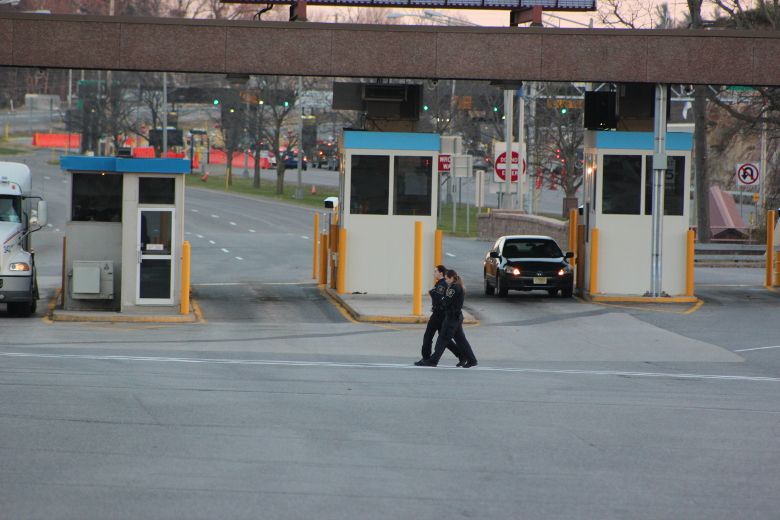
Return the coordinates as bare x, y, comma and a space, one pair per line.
531, 248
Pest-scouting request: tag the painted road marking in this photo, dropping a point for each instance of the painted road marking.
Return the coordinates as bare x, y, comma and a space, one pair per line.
214, 216
212, 242
225, 250
194, 210
233, 224
757, 348
304, 237
199, 236
239, 258
252, 231
326, 364
450, 254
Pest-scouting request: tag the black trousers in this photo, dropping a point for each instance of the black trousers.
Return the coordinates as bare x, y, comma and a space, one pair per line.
452, 329
434, 325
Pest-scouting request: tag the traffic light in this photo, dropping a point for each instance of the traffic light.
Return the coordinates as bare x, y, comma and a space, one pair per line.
215, 102
426, 107
286, 104
495, 108
564, 110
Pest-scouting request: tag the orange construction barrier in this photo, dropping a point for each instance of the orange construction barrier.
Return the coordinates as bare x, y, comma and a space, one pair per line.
56, 140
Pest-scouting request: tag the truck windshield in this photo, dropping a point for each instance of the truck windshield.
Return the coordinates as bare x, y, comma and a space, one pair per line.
10, 209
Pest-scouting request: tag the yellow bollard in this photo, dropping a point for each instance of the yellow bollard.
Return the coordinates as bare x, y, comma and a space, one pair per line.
323, 258
573, 213
418, 267
770, 246
594, 261
689, 262
314, 237
342, 267
437, 247
185, 278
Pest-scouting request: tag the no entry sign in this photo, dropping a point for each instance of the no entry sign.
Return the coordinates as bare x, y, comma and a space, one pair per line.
445, 162
500, 167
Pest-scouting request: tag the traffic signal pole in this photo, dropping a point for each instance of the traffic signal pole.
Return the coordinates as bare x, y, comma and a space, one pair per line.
509, 111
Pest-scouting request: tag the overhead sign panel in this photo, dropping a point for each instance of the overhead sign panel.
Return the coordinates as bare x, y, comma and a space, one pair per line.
549, 5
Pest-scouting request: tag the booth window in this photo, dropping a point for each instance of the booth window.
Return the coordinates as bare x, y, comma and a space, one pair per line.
621, 192
674, 186
96, 197
413, 178
370, 185
156, 190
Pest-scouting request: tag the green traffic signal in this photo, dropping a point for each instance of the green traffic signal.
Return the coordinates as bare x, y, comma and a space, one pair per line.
495, 109
564, 110
216, 102
425, 107
286, 104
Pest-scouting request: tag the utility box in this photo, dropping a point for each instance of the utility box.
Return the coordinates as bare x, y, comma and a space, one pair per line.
92, 280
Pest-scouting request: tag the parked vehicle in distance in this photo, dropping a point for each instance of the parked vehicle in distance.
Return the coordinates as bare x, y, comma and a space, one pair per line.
527, 263
291, 161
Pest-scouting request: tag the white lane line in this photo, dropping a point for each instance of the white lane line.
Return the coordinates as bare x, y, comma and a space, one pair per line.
47, 177
252, 231
450, 254
212, 242
304, 237
225, 250
199, 236
214, 216
757, 348
326, 364
194, 210
239, 258
233, 224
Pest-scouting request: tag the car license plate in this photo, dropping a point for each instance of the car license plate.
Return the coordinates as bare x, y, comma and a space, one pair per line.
540, 280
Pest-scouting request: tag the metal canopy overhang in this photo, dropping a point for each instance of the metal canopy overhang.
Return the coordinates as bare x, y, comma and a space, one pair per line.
547, 5
342, 50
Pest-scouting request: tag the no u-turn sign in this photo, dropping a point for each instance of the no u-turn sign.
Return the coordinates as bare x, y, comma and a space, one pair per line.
747, 174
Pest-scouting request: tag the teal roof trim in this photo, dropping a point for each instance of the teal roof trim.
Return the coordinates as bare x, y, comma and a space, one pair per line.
676, 141
391, 141
83, 163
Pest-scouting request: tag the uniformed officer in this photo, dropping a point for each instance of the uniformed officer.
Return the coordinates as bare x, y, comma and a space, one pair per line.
452, 327
437, 311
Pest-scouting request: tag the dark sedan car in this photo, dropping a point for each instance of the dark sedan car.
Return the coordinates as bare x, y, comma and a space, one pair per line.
528, 263
291, 162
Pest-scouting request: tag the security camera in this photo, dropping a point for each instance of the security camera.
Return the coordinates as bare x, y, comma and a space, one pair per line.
331, 202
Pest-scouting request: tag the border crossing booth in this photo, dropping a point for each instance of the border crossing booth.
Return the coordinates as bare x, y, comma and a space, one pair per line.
124, 232
618, 201
388, 182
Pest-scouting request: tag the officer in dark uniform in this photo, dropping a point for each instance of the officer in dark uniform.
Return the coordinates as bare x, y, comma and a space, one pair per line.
452, 327
437, 311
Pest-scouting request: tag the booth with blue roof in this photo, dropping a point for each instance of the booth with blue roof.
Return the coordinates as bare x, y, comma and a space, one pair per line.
617, 201
388, 183
124, 232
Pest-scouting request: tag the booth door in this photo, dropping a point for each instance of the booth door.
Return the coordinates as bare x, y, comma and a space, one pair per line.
155, 256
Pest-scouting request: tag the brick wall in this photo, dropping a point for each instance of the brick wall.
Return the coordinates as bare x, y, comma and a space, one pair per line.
504, 222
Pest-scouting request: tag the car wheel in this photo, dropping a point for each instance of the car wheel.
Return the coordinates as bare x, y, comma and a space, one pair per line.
567, 292
501, 286
489, 289
552, 292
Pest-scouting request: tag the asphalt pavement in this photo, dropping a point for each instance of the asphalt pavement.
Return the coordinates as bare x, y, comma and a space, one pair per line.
277, 404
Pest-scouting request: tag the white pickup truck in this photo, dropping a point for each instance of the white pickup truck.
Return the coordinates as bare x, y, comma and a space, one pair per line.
18, 219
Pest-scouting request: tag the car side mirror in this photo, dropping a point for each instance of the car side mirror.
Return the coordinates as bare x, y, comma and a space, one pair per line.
569, 255
494, 254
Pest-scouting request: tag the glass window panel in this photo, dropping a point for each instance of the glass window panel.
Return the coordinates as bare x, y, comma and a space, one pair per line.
674, 186
156, 232
96, 197
412, 181
370, 186
621, 192
155, 279
10, 208
152, 190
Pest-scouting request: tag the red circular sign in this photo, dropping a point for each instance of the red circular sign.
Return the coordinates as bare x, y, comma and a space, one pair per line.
500, 165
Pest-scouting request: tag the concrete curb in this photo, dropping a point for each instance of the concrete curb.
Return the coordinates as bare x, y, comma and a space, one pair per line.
53, 314
354, 315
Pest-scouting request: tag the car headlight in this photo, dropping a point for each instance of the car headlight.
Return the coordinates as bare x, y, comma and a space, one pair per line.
514, 271
19, 266
564, 271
